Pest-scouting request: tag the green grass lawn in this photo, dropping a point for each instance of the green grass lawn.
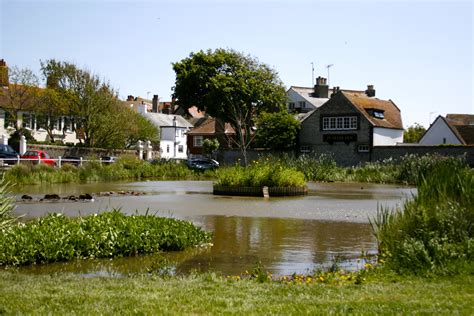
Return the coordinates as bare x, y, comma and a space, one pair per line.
211, 294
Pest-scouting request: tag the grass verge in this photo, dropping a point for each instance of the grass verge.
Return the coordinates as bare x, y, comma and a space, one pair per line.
211, 294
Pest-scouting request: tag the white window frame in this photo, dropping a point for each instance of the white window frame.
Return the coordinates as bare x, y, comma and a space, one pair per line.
302, 104
305, 149
180, 149
197, 141
363, 148
291, 105
28, 121
339, 123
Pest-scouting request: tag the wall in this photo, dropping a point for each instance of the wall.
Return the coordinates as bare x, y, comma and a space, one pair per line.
437, 131
387, 136
86, 153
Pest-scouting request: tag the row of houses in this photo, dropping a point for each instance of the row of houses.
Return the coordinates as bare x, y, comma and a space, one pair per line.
345, 123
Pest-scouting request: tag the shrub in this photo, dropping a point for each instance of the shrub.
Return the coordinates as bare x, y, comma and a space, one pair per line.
110, 234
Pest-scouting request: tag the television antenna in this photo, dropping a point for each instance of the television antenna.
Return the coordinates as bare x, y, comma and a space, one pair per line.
312, 74
329, 66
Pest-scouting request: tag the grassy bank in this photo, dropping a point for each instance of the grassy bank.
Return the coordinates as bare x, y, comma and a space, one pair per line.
211, 294
124, 168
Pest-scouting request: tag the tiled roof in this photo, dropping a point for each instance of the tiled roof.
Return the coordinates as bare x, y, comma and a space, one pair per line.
167, 120
463, 126
392, 117
209, 128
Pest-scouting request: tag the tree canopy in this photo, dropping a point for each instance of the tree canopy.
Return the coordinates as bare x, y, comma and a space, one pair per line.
413, 133
277, 130
230, 86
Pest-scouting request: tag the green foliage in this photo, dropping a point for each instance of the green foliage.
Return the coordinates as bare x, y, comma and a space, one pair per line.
264, 172
413, 133
229, 86
111, 234
277, 130
14, 139
210, 145
124, 168
6, 205
433, 233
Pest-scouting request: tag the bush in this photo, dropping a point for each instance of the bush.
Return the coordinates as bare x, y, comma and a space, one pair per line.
111, 234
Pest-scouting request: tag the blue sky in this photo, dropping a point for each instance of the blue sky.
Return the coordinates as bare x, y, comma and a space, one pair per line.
417, 53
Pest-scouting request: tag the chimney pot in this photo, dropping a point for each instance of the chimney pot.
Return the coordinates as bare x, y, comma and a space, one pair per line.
370, 92
321, 89
155, 103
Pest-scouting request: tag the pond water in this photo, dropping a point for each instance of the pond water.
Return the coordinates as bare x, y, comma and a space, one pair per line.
286, 235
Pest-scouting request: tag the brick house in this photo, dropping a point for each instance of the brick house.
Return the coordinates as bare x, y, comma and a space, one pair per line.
349, 125
211, 129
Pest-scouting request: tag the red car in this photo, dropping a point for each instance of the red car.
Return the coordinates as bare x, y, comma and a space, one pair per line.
40, 156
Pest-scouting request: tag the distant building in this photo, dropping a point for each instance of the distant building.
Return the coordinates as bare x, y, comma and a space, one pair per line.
306, 99
349, 125
210, 129
173, 130
454, 129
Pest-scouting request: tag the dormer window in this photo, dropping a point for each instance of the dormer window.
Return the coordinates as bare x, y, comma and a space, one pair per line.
376, 113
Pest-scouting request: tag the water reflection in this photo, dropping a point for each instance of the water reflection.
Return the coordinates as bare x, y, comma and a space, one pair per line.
286, 235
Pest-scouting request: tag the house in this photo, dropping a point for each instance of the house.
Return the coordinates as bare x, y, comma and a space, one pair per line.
454, 129
306, 99
211, 129
173, 129
61, 127
349, 125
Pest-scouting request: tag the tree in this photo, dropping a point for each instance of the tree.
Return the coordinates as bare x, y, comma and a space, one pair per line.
209, 146
22, 94
95, 106
229, 86
277, 130
413, 133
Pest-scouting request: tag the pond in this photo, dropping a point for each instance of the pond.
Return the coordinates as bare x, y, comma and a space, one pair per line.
286, 235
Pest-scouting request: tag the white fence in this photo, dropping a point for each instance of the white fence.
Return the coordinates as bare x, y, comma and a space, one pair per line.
57, 162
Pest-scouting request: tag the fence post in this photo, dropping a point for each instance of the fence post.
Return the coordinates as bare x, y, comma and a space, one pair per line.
59, 161
22, 144
149, 149
18, 159
4, 139
80, 161
140, 149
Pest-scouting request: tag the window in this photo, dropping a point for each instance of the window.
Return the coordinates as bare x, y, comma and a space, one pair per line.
68, 123
28, 121
197, 141
363, 148
378, 114
339, 123
178, 132
291, 105
305, 149
302, 104
167, 148
10, 121
55, 123
180, 148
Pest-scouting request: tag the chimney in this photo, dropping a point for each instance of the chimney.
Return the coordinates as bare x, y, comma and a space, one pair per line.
130, 98
370, 92
321, 89
3, 74
155, 103
173, 101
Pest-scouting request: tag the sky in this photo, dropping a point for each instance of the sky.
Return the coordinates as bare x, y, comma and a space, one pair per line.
417, 53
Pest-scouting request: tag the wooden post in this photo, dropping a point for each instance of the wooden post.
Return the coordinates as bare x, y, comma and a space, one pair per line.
265, 192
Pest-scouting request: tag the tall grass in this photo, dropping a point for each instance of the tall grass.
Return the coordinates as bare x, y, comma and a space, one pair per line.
434, 231
6, 205
110, 234
124, 168
264, 172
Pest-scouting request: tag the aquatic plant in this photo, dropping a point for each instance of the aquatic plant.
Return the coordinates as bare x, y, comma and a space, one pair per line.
434, 230
106, 235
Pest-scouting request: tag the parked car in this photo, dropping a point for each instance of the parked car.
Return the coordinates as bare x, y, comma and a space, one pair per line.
71, 160
8, 155
108, 159
35, 156
201, 164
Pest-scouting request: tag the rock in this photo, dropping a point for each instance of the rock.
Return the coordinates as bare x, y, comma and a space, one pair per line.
26, 197
86, 196
51, 197
72, 198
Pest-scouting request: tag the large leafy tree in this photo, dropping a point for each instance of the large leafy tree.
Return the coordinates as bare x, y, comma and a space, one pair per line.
94, 104
230, 86
413, 133
22, 93
278, 130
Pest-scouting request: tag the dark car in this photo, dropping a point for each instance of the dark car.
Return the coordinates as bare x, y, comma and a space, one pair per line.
202, 164
8, 155
108, 159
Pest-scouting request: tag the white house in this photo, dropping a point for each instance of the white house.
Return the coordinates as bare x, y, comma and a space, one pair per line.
173, 129
454, 129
